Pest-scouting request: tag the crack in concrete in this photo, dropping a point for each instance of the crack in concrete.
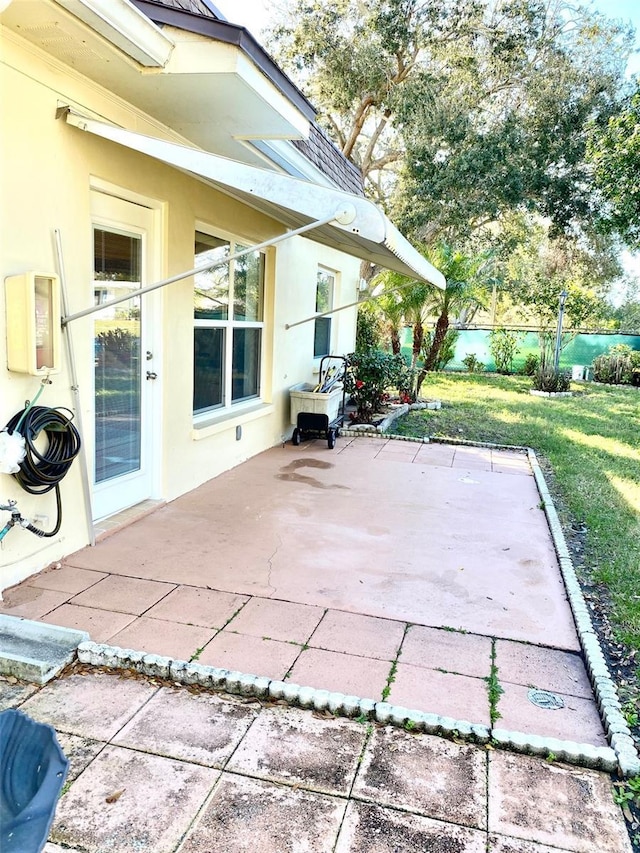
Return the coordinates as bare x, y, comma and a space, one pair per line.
270, 563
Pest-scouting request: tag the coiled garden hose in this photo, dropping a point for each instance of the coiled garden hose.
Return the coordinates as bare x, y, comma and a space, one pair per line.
39, 473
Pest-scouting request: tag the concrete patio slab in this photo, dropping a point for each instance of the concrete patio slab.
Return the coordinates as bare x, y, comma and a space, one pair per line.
13, 693
294, 747
320, 549
193, 606
433, 648
355, 634
80, 751
392, 556
373, 829
89, 706
277, 620
545, 668
131, 801
159, 637
125, 595
253, 655
447, 694
562, 807
31, 602
201, 729
252, 816
101, 625
426, 775
349, 674
66, 579
578, 720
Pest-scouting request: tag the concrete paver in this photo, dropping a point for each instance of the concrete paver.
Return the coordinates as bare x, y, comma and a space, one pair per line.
253, 816
207, 607
355, 634
252, 655
544, 668
101, 625
31, 602
277, 620
447, 694
66, 579
298, 748
535, 800
160, 637
80, 751
372, 829
350, 674
428, 775
89, 707
126, 595
13, 693
202, 728
389, 791
577, 718
131, 801
465, 654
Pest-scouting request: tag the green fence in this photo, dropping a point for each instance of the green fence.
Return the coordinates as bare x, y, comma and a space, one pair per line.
582, 349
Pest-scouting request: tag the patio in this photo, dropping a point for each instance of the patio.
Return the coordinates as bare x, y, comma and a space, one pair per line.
386, 569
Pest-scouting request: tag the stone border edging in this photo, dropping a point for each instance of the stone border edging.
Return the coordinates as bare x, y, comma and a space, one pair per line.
618, 731
310, 698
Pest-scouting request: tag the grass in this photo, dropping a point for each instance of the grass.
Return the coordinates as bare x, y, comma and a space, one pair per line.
592, 444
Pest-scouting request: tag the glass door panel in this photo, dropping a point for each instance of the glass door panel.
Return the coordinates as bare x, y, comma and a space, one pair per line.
117, 266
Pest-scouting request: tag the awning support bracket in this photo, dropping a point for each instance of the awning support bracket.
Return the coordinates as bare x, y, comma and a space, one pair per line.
344, 215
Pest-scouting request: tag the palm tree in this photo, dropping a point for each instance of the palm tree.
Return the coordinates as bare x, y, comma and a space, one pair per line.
463, 291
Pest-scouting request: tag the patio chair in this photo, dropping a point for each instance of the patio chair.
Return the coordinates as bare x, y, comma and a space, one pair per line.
32, 772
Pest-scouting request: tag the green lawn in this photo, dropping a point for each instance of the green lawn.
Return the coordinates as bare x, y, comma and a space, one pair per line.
592, 444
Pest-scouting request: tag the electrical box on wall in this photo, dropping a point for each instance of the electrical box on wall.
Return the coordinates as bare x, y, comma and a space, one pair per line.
33, 323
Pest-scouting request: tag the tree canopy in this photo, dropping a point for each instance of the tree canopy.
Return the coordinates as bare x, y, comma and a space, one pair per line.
459, 112
615, 153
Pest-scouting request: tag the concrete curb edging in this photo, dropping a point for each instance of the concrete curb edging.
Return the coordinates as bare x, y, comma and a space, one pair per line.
355, 707
616, 727
244, 684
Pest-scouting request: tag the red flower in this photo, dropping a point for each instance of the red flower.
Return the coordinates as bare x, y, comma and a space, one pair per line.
359, 383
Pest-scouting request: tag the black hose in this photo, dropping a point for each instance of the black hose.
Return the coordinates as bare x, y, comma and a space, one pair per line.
39, 473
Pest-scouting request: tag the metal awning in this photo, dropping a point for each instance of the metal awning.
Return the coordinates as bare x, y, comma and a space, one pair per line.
365, 232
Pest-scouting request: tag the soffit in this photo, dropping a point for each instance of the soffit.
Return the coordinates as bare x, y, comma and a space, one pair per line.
208, 92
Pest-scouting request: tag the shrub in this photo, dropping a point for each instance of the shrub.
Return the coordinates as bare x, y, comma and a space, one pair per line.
368, 328
369, 374
617, 366
472, 364
530, 365
503, 346
546, 378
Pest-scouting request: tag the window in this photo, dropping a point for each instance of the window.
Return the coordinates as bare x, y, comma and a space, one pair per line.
324, 302
228, 321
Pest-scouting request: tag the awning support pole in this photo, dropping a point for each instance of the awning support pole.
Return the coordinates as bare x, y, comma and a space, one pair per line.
84, 470
369, 298
338, 215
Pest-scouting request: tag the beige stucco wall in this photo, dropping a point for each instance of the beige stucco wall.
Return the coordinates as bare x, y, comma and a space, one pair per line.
48, 169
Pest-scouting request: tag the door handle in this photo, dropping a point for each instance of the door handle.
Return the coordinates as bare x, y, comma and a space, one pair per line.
151, 375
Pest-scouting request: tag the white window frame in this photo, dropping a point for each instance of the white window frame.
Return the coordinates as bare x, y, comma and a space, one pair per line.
228, 406
331, 301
